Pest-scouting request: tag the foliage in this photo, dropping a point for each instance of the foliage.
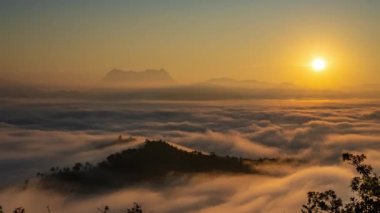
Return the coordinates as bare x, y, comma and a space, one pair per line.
325, 201
135, 209
153, 160
366, 188
19, 210
106, 209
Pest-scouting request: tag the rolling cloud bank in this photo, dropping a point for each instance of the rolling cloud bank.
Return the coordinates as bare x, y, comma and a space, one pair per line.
309, 136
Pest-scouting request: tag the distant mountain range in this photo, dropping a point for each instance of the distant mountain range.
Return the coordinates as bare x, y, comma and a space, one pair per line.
158, 84
117, 78
151, 77
229, 82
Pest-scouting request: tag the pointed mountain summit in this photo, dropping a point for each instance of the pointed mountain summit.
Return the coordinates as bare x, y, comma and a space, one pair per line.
146, 78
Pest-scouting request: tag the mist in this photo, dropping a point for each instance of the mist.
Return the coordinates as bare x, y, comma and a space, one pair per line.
38, 135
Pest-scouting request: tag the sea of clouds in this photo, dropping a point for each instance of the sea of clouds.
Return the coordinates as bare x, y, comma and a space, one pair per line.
35, 135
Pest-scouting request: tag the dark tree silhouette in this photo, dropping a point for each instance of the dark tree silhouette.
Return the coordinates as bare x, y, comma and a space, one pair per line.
105, 209
19, 210
135, 209
326, 201
150, 162
366, 188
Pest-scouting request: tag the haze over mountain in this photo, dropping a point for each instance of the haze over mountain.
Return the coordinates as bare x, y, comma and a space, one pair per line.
230, 82
154, 84
9, 88
150, 77
159, 85
189, 106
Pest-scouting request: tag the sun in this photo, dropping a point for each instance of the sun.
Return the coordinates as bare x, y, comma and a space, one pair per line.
318, 64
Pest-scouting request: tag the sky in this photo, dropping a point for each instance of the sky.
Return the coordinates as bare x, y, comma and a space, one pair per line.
77, 42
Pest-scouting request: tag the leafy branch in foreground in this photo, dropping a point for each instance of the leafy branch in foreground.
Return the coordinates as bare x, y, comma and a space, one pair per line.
366, 188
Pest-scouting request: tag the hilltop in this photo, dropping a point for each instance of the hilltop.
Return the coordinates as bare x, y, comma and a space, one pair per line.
152, 161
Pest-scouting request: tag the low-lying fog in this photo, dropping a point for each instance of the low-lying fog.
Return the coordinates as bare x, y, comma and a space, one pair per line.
36, 135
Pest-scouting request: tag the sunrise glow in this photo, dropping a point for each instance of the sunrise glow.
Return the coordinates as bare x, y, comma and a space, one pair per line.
318, 64
189, 106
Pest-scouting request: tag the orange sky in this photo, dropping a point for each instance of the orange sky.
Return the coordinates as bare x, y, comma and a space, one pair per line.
70, 42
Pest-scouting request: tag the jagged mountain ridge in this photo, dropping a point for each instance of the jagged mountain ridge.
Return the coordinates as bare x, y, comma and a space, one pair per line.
150, 77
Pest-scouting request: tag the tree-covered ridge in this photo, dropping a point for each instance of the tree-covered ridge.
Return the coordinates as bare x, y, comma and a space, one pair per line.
153, 160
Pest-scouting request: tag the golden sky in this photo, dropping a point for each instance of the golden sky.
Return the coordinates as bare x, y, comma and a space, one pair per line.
71, 42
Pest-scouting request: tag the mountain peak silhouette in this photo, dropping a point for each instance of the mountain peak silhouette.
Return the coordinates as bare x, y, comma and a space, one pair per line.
149, 77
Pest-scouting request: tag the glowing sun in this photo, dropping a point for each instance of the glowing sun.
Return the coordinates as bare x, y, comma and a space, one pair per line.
318, 64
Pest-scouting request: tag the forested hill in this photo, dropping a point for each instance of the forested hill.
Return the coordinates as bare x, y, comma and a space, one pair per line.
153, 160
